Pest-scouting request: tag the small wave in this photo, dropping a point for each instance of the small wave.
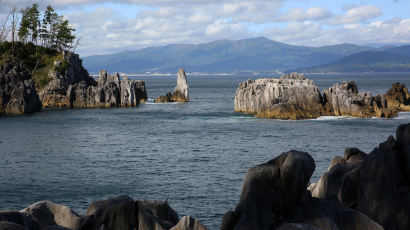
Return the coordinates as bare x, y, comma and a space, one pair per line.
403, 115
333, 118
150, 101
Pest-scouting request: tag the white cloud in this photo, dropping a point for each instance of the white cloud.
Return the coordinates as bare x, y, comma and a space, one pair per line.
299, 14
357, 14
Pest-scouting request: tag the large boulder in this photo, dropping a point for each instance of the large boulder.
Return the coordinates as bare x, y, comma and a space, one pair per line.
17, 92
270, 191
290, 97
377, 184
180, 93
345, 100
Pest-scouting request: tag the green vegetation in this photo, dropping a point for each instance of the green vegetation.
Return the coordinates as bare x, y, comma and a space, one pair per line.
40, 41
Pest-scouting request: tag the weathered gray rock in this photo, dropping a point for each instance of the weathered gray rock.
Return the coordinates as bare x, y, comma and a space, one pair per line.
76, 89
377, 184
290, 97
156, 215
181, 90
180, 93
329, 215
189, 223
270, 191
17, 92
110, 91
345, 100
46, 213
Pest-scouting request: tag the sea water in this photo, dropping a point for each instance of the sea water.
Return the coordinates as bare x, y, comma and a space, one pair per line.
195, 153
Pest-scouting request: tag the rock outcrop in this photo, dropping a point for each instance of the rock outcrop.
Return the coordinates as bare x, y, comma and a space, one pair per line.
116, 213
17, 92
294, 97
377, 184
345, 100
180, 91
290, 97
398, 97
274, 196
76, 89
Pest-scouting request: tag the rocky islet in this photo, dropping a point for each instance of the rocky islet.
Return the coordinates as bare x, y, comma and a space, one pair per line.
295, 97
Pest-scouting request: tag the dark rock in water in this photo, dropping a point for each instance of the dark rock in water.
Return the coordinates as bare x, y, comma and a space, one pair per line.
4, 225
377, 184
17, 92
114, 213
290, 97
189, 223
156, 215
164, 99
180, 92
270, 191
398, 97
329, 215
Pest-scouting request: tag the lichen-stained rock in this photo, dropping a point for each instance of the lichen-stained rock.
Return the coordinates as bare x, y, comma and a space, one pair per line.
398, 97
181, 90
132, 92
290, 97
164, 99
345, 100
270, 191
17, 92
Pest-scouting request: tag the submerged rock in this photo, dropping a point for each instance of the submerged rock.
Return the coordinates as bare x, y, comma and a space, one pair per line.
180, 91
290, 97
17, 92
294, 97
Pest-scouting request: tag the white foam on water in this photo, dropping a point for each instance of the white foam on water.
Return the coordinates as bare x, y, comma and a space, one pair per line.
333, 118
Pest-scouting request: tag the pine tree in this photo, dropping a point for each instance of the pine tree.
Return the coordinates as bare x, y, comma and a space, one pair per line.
64, 36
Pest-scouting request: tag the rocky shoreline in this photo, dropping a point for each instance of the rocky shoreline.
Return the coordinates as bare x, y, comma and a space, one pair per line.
180, 93
71, 88
295, 97
359, 191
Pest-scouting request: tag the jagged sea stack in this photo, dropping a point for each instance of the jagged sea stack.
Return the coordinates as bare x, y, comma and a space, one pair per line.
180, 91
290, 97
17, 92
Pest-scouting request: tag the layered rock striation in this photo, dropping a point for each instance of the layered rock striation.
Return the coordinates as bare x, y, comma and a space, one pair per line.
17, 92
118, 213
76, 89
180, 93
294, 97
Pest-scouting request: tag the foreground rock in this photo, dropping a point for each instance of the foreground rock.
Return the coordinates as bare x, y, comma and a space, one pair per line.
180, 92
290, 97
116, 213
76, 89
377, 184
294, 97
17, 92
274, 196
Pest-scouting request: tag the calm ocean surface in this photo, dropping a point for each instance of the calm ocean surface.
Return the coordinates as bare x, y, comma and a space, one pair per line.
196, 153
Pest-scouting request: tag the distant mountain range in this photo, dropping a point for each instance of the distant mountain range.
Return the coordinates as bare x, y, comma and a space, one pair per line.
253, 55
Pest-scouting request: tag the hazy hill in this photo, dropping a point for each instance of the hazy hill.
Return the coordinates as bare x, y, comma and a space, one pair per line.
256, 54
390, 60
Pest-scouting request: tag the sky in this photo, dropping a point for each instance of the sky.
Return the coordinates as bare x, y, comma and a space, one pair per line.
114, 26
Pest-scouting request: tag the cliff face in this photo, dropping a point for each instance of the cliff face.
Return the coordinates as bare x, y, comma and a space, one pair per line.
290, 97
180, 91
294, 97
76, 89
17, 92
